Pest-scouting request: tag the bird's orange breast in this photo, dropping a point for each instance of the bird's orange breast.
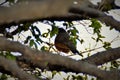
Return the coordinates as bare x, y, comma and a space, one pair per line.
62, 47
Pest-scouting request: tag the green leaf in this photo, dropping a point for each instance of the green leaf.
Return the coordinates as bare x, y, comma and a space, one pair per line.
3, 77
31, 42
115, 64
45, 35
11, 1
81, 41
70, 24
44, 48
73, 40
68, 78
36, 47
78, 77
54, 73
93, 38
38, 40
96, 29
73, 31
53, 31
92, 79
96, 26
8, 55
26, 26
107, 45
111, 28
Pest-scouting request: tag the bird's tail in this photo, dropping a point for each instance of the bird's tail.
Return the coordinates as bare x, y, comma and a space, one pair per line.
77, 53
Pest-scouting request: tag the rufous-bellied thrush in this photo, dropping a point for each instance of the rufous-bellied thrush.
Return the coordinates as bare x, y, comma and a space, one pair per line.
63, 42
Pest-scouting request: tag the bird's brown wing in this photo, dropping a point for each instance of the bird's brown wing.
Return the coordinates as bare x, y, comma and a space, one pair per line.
70, 45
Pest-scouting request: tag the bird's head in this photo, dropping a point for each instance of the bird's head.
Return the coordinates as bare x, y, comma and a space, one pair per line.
61, 30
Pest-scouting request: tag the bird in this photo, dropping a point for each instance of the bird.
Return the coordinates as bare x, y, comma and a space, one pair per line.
63, 42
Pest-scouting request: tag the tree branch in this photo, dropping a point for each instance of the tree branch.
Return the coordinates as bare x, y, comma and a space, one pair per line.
106, 5
104, 56
33, 10
93, 13
11, 66
43, 59
47, 9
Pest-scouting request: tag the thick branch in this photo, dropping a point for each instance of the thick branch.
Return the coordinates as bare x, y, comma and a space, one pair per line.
43, 59
93, 13
106, 5
110, 21
39, 10
47, 10
33, 10
104, 56
12, 67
